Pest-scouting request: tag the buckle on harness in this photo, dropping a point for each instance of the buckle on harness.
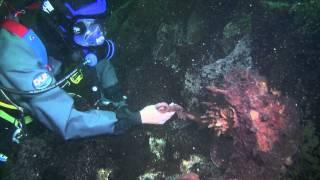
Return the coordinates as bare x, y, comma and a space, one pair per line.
18, 13
17, 134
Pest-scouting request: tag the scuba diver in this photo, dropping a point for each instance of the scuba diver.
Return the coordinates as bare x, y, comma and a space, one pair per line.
27, 78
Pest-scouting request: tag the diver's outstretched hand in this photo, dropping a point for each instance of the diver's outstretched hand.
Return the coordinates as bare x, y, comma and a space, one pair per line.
153, 114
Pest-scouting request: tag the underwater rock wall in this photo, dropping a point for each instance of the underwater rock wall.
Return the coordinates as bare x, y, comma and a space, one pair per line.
211, 74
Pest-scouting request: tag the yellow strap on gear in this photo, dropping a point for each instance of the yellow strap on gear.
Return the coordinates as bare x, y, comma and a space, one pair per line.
77, 77
27, 119
9, 118
13, 120
8, 106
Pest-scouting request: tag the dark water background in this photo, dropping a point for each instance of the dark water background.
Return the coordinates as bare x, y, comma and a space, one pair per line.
159, 41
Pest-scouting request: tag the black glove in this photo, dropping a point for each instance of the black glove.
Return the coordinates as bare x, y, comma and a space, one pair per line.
126, 119
113, 93
113, 98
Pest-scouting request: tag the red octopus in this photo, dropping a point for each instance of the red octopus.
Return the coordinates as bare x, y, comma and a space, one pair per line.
263, 126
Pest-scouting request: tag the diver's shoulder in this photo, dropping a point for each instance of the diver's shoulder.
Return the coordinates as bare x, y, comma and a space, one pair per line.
14, 52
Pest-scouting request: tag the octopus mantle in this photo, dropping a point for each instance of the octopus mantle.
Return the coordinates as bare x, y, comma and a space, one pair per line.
257, 132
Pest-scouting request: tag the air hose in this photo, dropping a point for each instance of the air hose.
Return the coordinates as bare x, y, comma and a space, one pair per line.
39, 91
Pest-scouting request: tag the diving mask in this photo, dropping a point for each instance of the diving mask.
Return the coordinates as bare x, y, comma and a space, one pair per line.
88, 32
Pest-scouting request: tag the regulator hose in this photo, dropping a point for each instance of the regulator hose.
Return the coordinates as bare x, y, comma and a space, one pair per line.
39, 91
